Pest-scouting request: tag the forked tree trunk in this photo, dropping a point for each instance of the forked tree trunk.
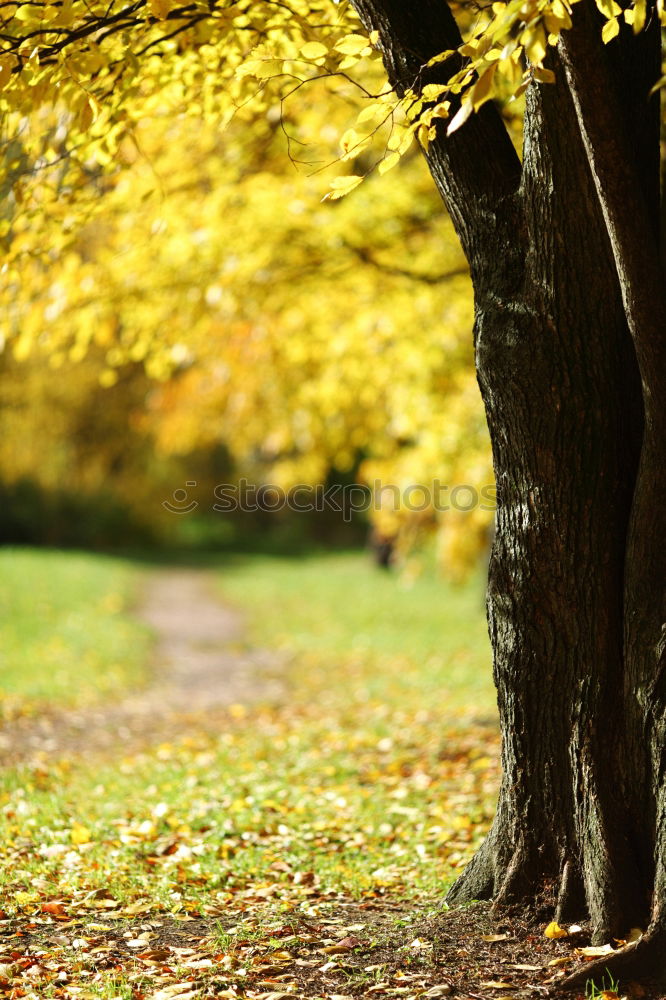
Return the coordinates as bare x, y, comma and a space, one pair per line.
582, 694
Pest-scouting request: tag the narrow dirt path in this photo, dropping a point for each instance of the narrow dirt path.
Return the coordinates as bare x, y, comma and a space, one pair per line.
201, 665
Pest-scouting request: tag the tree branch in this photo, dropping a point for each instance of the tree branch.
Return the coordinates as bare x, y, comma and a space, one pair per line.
364, 254
476, 168
619, 189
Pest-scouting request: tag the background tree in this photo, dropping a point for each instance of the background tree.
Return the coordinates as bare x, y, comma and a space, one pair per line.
183, 267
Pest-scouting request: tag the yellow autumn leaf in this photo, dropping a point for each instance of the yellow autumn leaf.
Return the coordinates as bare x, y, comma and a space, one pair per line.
261, 69
5, 74
80, 834
441, 110
340, 186
352, 142
609, 8
610, 30
661, 82
441, 57
373, 112
88, 113
424, 134
22, 348
639, 12
401, 139
432, 91
313, 50
160, 8
24, 896
535, 44
461, 116
352, 45
554, 931
388, 162
25, 13
543, 75
64, 15
557, 18
483, 88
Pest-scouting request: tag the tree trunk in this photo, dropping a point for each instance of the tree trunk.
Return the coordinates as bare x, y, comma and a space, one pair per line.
564, 420
580, 811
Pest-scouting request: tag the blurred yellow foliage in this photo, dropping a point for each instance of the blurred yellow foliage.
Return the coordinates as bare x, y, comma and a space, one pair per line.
192, 241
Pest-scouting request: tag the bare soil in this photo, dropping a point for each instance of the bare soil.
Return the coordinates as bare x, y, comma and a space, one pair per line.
398, 948
201, 664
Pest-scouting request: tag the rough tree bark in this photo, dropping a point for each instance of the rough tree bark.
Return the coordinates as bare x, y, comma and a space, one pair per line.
570, 334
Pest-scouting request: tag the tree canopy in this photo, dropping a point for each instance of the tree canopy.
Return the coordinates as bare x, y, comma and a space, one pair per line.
98, 103
181, 265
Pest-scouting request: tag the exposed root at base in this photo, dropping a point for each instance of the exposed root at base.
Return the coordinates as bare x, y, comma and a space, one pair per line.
644, 959
477, 880
571, 900
504, 881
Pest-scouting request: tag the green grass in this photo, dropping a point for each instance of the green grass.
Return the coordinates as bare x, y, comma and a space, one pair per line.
424, 637
66, 635
369, 779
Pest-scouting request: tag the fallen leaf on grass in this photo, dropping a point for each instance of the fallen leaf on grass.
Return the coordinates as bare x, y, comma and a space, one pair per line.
200, 963
156, 957
101, 904
439, 991
497, 984
80, 834
347, 944
492, 938
564, 960
533, 968
55, 909
177, 991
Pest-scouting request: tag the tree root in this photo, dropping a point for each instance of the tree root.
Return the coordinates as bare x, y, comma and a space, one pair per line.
477, 880
571, 901
643, 959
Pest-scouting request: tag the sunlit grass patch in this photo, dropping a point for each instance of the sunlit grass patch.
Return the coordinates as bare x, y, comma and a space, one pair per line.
413, 638
66, 635
284, 810
376, 774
